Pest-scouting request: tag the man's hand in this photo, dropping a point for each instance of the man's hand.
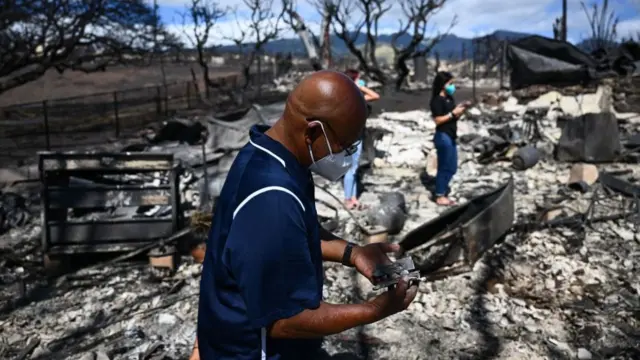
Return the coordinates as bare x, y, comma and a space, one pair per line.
366, 258
394, 300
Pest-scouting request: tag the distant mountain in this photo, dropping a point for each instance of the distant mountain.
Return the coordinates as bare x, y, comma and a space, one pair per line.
449, 47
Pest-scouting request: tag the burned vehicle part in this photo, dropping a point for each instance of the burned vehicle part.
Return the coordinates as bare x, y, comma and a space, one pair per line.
119, 214
389, 275
455, 240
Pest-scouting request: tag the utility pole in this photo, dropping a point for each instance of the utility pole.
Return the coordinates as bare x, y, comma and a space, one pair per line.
156, 48
564, 20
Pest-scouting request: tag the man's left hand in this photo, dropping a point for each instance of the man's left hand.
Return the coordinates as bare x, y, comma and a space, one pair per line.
366, 258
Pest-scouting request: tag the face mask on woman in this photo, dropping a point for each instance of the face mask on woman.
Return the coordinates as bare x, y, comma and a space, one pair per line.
450, 89
333, 166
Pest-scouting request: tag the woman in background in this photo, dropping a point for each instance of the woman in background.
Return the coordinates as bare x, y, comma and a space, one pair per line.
446, 114
350, 190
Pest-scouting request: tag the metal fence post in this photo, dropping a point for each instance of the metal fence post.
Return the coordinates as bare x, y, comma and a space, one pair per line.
274, 67
259, 76
166, 100
503, 64
158, 101
45, 113
426, 68
188, 95
473, 71
116, 113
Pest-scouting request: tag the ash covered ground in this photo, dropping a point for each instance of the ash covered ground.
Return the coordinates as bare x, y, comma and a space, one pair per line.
560, 292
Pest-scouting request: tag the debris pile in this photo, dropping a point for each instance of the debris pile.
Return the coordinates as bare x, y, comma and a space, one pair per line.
562, 282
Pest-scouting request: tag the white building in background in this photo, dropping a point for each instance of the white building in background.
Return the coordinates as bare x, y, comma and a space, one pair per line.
217, 60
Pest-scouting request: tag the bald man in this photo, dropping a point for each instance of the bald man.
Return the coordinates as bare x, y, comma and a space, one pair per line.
261, 286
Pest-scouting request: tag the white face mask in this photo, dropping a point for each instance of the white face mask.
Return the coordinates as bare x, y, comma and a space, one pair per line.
333, 166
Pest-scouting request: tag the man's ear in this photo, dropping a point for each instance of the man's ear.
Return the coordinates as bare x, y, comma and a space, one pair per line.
312, 132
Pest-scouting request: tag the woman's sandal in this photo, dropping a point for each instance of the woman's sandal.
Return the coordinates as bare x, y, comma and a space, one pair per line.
349, 205
447, 203
362, 207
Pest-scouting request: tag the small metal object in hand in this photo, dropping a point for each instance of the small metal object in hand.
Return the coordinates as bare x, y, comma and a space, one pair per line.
389, 275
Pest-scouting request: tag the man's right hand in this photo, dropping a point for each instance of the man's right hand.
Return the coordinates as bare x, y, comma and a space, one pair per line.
394, 300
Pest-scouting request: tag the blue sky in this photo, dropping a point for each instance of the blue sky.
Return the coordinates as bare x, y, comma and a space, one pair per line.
475, 17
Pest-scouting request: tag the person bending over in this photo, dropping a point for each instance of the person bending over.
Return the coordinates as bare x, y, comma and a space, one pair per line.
349, 180
446, 114
262, 276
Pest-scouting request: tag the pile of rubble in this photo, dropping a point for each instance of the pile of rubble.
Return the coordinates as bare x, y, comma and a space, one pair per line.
570, 290
286, 82
566, 292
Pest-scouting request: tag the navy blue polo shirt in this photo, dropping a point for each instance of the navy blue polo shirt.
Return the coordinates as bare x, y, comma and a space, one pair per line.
263, 261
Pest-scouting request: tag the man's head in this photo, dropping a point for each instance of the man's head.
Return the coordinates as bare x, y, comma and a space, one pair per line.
325, 114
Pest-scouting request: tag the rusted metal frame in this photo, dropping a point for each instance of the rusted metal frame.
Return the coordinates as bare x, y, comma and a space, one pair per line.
55, 233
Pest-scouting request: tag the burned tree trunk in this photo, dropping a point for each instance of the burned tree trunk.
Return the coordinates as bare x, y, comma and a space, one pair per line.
94, 35
312, 45
417, 13
343, 15
264, 26
203, 15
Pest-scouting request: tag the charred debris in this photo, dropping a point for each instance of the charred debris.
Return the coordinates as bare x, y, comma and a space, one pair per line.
100, 250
